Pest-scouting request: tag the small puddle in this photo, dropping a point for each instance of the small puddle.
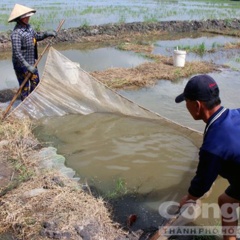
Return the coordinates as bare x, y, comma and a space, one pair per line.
103, 58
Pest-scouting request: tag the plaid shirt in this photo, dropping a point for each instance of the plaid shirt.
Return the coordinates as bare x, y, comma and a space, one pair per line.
23, 45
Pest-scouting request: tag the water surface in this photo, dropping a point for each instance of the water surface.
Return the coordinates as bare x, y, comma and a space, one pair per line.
85, 13
105, 147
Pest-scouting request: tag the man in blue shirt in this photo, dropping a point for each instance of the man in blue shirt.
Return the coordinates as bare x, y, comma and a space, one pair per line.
220, 151
24, 47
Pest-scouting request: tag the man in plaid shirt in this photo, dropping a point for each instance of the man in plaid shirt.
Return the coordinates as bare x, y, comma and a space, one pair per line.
24, 47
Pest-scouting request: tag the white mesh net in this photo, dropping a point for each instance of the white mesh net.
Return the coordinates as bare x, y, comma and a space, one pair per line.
65, 88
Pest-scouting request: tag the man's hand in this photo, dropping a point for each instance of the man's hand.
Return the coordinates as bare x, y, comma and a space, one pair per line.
50, 34
29, 67
187, 199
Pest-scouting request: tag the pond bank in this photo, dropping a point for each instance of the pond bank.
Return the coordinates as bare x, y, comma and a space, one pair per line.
39, 202
115, 32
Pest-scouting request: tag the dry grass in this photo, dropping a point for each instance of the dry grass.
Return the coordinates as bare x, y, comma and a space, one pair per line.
46, 203
51, 204
226, 32
147, 74
18, 134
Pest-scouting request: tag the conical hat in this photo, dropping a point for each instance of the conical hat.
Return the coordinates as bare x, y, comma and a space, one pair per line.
18, 11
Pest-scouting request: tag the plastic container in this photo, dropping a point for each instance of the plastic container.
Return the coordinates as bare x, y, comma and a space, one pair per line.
179, 58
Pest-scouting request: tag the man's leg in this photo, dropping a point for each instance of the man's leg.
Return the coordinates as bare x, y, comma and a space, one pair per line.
228, 206
34, 80
21, 74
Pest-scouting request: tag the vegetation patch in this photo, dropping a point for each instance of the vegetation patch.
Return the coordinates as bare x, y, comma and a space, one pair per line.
147, 74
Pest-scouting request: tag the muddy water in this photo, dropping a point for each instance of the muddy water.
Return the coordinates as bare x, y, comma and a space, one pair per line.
154, 163
105, 147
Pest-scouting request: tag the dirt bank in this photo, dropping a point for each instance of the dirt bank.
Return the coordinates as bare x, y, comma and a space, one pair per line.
118, 32
38, 202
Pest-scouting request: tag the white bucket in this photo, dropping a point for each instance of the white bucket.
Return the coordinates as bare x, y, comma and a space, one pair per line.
179, 58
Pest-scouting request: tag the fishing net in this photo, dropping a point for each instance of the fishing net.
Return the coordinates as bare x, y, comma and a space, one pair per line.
65, 88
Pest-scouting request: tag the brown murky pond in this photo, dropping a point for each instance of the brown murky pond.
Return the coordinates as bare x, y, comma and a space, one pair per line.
152, 161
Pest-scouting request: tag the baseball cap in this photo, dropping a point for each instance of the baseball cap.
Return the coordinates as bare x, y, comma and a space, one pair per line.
201, 88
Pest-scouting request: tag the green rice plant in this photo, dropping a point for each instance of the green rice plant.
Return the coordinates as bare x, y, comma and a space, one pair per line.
71, 12
237, 60
38, 23
151, 18
216, 45
228, 21
213, 45
199, 49
88, 10
122, 19
85, 24
119, 190
177, 73
121, 46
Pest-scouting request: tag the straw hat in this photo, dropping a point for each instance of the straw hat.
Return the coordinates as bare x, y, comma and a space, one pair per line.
20, 11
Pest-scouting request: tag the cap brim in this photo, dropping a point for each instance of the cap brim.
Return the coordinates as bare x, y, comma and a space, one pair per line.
180, 98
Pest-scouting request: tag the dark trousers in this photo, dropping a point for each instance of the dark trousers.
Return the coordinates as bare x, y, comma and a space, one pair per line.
21, 73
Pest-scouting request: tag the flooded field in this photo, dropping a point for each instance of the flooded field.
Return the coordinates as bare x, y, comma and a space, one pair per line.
85, 13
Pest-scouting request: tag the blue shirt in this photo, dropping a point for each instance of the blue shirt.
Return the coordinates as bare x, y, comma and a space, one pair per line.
219, 153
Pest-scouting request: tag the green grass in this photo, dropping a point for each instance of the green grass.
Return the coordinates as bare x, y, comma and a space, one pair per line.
119, 190
20, 174
198, 49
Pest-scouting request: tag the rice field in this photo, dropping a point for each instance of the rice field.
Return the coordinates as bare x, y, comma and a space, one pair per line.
95, 12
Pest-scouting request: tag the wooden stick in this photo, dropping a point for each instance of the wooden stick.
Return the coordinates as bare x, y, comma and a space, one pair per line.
163, 230
195, 206
30, 74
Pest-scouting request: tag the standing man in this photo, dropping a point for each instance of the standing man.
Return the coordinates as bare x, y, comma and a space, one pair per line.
220, 151
24, 47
